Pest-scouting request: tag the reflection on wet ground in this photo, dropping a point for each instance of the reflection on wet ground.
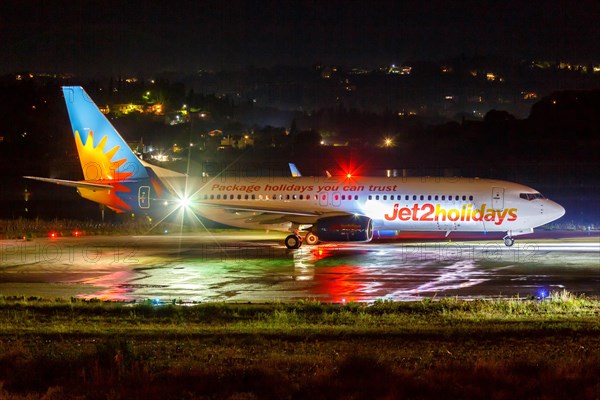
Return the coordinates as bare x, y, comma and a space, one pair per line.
251, 266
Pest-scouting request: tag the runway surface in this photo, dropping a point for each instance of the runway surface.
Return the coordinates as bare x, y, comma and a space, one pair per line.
253, 266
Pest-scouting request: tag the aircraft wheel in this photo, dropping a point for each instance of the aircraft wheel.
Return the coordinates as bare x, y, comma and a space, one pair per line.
311, 239
508, 241
293, 242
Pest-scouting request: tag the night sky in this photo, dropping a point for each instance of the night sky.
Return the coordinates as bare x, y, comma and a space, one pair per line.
132, 37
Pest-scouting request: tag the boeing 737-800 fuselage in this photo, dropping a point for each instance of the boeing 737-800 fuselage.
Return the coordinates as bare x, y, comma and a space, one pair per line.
334, 205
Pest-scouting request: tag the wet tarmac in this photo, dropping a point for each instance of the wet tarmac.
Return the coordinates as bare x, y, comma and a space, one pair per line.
241, 266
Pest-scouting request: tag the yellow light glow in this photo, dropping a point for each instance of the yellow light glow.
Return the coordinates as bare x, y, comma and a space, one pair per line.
184, 202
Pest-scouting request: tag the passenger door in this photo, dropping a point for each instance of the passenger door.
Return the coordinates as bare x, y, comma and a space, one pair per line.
144, 197
498, 198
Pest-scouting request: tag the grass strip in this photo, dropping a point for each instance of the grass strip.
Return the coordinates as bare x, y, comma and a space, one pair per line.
448, 348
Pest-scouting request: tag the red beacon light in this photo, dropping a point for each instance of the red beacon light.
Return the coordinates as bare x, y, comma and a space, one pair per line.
52, 235
76, 233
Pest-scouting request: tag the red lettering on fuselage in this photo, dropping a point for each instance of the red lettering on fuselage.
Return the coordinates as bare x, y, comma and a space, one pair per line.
429, 213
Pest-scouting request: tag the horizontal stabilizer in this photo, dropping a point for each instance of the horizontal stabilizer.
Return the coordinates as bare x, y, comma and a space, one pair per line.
76, 184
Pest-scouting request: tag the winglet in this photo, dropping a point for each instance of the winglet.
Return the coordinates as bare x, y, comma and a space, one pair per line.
294, 170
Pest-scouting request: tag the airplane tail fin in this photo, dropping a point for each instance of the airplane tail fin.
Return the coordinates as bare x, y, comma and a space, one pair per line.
113, 174
103, 153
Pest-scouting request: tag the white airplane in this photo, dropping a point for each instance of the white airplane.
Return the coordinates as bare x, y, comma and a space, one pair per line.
311, 209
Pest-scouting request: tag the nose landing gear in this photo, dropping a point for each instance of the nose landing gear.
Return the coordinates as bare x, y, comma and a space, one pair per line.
508, 241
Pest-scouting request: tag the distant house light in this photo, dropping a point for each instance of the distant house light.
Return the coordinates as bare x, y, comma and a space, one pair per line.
529, 95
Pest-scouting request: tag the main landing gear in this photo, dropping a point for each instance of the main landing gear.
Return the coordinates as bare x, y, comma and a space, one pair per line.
294, 241
508, 241
311, 239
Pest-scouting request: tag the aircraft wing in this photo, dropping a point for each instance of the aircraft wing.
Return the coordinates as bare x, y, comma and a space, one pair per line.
268, 216
75, 184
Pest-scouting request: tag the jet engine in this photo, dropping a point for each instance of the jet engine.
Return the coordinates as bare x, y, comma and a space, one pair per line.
353, 228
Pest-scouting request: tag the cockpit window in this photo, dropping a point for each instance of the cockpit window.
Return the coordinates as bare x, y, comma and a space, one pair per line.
531, 196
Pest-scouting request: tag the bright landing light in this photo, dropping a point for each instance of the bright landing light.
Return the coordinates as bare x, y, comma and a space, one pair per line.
184, 202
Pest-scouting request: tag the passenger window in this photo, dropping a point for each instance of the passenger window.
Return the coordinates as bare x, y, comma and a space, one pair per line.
376, 197
212, 196
245, 197
444, 197
422, 197
385, 197
437, 197
370, 197
470, 198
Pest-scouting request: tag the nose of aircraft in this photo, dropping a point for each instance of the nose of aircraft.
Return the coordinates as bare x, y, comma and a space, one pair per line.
555, 210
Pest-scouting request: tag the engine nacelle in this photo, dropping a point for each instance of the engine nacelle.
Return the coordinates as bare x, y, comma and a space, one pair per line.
386, 234
355, 228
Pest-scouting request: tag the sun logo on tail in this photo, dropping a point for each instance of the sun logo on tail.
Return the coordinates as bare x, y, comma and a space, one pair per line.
98, 166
